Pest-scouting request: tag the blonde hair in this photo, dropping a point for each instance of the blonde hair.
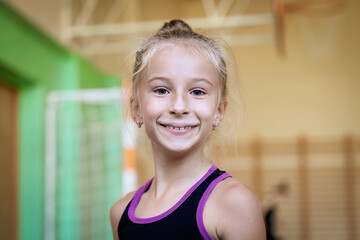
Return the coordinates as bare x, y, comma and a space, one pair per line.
178, 32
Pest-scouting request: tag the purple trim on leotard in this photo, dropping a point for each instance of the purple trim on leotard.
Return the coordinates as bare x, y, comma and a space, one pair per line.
141, 191
200, 209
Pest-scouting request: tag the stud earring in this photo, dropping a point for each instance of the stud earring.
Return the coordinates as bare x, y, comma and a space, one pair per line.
139, 123
214, 126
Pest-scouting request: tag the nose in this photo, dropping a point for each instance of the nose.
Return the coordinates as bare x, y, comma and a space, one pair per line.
179, 104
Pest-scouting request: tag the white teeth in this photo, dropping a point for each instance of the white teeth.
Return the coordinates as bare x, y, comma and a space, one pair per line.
179, 128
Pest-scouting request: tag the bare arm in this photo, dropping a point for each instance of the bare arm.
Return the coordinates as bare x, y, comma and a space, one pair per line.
117, 211
234, 212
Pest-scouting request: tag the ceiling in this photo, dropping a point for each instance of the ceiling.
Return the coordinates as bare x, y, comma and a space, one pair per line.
108, 31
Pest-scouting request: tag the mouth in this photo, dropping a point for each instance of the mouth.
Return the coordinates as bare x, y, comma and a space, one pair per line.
179, 128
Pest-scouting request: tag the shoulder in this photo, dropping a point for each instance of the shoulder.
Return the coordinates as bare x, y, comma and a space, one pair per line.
117, 210
119, 206
238, 211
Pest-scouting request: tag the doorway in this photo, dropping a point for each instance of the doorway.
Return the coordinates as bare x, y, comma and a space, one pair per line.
8, 162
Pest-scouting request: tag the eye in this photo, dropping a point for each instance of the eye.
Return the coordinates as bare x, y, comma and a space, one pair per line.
161, 91
197, 92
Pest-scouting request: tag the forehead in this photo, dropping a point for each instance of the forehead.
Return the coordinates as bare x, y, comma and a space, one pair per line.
180, 60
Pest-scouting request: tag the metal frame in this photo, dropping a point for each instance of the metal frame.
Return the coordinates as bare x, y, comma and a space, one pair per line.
94, 36
55, 97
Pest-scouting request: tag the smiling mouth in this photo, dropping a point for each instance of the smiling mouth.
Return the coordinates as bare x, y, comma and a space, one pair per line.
179, 128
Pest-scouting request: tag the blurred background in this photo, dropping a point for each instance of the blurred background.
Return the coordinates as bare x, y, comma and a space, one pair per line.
68, 150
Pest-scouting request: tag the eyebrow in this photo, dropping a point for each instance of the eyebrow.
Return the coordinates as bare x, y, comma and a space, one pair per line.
203, 80
158, 78
194, 79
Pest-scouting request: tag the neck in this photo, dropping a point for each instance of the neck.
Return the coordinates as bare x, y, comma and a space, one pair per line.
172, 171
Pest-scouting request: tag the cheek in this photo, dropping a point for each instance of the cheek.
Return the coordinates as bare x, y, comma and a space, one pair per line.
206, 111
151, 107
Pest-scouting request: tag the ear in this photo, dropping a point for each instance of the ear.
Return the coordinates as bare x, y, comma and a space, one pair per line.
220, 113
135, 110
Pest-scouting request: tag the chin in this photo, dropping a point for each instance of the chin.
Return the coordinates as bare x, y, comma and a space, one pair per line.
178, 149
181, 149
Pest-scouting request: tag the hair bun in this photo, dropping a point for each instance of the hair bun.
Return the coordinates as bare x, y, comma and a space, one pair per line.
175, 25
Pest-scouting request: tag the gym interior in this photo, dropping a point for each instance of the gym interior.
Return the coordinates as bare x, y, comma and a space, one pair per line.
69, 150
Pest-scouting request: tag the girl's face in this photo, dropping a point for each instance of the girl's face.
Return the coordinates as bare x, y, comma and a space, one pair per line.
179, 100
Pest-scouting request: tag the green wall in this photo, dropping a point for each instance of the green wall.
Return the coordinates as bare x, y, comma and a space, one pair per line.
35, 64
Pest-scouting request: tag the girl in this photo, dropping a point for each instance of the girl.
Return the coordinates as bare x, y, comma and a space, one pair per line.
179, 95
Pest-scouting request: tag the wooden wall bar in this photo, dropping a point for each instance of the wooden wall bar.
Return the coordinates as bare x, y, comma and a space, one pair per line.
350, 188
257, 174
318, 162
303, 175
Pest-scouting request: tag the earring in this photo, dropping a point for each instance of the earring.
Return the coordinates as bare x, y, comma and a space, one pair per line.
139, 123
214, 126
